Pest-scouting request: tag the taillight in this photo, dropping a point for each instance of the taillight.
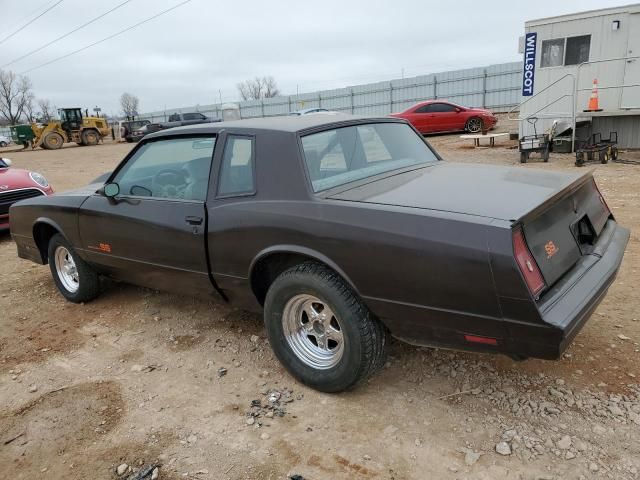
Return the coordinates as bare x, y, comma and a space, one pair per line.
527, 264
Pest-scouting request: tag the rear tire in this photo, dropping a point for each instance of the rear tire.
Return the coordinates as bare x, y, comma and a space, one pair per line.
474, 125
321, 331
604, 156
524, 156
579, 159
3, 144
75, 279
90, 137
53, 141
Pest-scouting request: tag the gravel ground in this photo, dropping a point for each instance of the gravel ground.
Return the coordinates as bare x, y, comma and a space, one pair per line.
140, 378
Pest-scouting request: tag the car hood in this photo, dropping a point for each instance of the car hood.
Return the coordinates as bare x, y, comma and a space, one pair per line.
85, 191
506, 193
16, 178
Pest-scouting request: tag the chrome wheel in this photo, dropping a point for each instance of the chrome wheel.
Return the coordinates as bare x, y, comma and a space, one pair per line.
313, 331
474, 125
67, 270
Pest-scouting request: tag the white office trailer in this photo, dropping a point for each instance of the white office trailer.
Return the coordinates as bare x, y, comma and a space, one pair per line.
564, 55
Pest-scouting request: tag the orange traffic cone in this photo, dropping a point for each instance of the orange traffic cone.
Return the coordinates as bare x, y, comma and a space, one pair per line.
593, 100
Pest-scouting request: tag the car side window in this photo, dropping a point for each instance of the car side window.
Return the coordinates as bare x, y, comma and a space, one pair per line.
173, 169
193, 116
424, 109
439, 108
237, 168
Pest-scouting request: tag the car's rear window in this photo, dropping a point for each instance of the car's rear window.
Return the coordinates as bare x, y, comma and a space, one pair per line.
342, 155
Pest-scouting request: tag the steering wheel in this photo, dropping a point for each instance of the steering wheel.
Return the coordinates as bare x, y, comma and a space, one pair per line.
168, 179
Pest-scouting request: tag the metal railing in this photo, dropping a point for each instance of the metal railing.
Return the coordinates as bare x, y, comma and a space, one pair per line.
573, 95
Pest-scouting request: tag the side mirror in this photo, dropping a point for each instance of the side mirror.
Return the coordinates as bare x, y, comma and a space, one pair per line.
110, 190
458, 110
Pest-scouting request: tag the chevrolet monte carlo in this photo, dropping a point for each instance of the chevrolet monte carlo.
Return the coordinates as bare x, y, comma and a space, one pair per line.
343, 231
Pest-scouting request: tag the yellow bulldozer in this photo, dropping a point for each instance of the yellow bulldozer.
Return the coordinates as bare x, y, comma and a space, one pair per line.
72, 127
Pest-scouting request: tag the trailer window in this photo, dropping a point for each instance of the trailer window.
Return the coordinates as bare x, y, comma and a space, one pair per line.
577, 50
565, 51
552, 53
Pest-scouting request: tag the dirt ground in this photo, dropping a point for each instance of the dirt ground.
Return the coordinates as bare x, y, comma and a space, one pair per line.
134, 378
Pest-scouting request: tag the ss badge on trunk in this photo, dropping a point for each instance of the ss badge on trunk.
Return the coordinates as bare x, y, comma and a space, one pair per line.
551, 249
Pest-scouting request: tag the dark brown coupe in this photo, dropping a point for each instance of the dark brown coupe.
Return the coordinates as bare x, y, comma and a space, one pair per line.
343, 230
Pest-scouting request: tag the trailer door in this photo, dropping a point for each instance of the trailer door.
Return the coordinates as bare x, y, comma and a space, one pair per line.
631, 93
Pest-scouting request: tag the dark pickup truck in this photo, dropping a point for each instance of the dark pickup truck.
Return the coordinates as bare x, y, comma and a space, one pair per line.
343, 231
184, 119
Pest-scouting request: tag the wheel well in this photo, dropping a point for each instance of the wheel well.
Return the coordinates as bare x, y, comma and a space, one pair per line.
42, 233
267, 269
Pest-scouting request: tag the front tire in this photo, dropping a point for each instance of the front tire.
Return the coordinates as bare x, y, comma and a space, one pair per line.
90, 138
75, 279
53, 141
321, 331
604, 156
3, 144
474, 125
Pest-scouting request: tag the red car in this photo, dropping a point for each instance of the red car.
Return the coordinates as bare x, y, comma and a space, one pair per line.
438, 116
17, 184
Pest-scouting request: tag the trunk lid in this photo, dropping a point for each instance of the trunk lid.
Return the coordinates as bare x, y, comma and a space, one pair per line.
492, 191
565, 228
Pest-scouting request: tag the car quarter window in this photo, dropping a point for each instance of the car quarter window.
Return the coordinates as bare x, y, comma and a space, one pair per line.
341, 155
176, 169
237, 168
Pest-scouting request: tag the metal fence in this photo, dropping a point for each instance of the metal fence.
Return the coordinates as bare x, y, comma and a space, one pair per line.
496, 87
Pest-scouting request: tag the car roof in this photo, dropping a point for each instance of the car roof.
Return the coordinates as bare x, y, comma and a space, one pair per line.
285, 123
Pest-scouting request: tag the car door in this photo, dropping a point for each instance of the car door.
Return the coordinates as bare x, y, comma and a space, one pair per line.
153, 232
442, 117
230, 204
422, 118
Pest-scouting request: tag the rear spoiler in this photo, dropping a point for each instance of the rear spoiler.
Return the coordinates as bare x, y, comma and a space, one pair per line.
565, 192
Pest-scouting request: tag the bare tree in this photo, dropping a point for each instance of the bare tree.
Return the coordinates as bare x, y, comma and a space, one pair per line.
270, 87
30, 108
15, 95
258, 88
47, 110
129, 104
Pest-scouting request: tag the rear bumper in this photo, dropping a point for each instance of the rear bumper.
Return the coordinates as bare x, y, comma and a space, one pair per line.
569, 307
570, 303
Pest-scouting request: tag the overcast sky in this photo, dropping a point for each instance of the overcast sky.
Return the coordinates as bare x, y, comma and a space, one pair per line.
203, 48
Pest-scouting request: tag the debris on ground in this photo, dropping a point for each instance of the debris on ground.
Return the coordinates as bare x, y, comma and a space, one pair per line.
144, 368
503, 448
273, 405
146, 472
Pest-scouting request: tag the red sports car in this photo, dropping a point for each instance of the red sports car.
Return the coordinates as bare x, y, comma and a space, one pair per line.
438, 116
17, 184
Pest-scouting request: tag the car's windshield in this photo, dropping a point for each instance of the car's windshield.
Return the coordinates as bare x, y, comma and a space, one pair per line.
341, 155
